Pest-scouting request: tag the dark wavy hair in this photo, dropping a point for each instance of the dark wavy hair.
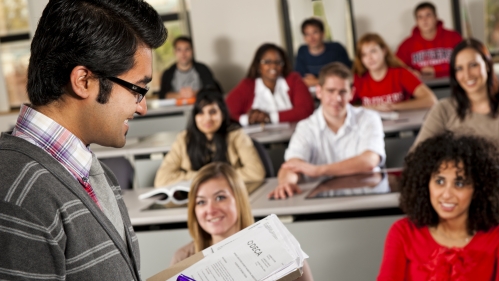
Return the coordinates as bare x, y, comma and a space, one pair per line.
198, 146
458, 93
253, 72
480, 160
102, 35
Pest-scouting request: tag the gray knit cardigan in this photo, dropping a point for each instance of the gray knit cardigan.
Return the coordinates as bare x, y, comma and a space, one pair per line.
50, 229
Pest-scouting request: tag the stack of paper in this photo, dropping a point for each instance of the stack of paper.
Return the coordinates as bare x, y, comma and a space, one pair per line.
388, 115
265, 250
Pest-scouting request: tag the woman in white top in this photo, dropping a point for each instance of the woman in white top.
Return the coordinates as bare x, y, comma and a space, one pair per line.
270, 93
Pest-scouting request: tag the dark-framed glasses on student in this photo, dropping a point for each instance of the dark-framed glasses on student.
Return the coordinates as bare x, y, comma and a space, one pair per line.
139, 91
275, 62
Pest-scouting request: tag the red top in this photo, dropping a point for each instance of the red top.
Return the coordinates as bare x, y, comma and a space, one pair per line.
412, 254
240, 99
418, 52
397, 85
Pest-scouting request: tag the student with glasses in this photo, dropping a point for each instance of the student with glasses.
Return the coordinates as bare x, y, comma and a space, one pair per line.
61, 212
270, 93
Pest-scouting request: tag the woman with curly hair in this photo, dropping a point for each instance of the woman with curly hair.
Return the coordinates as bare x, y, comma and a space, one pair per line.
450, 193
473, 106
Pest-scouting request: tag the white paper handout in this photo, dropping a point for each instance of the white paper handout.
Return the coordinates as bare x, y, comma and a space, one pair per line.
265, 250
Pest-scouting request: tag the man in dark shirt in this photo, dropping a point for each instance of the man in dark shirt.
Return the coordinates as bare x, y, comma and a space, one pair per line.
316, 53
186, 76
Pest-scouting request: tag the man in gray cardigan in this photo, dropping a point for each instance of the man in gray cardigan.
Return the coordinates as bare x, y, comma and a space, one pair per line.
61, 212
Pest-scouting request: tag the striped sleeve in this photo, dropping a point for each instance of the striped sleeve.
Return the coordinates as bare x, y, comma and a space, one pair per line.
30, 250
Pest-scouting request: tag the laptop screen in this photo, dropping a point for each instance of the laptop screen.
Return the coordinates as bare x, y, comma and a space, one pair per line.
381, 182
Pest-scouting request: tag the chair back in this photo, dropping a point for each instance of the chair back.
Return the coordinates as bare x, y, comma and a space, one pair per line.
122, 169
265, 157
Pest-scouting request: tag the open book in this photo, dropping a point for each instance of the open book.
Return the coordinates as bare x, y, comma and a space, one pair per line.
177, 194
263, 251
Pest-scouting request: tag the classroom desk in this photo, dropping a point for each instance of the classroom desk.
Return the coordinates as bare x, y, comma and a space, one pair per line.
333, 243
261, 206
165, 110
159, 119
437, 82
270, 134
408, 120
161, 142
157, 143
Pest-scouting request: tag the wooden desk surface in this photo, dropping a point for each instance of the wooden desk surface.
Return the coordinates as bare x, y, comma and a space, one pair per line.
261, 206
408, 120
162, 142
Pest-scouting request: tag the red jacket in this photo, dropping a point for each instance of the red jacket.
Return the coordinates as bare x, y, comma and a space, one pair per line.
240, 99
418, 52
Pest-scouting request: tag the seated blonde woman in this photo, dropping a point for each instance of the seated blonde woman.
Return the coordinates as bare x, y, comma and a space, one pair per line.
218, 207
210, 137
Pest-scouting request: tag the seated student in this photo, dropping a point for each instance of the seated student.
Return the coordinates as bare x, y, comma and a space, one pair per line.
186, 76
474, 103
382, 82
316, 53
427, 51
209, 137
270, 93
450, 194
338, 139
218, 207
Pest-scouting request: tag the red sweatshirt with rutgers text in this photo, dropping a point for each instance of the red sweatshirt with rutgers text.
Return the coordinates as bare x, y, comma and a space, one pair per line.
418, 52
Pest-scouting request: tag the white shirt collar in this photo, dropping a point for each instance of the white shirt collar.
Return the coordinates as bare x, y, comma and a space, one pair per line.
349, 120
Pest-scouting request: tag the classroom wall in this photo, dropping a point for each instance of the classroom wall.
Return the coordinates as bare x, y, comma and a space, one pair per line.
226, 34
476, 10
393, 19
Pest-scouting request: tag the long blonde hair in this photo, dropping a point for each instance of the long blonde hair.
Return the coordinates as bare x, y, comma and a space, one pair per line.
202, 239
390, 59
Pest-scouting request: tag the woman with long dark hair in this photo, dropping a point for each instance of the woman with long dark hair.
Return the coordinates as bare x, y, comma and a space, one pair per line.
474, 103
271, 92
210, 137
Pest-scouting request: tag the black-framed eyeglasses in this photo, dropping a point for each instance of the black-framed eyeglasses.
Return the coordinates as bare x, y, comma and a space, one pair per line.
141, 92
275, 62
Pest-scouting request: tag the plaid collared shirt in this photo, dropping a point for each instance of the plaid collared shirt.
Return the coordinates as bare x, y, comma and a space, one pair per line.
57, 141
